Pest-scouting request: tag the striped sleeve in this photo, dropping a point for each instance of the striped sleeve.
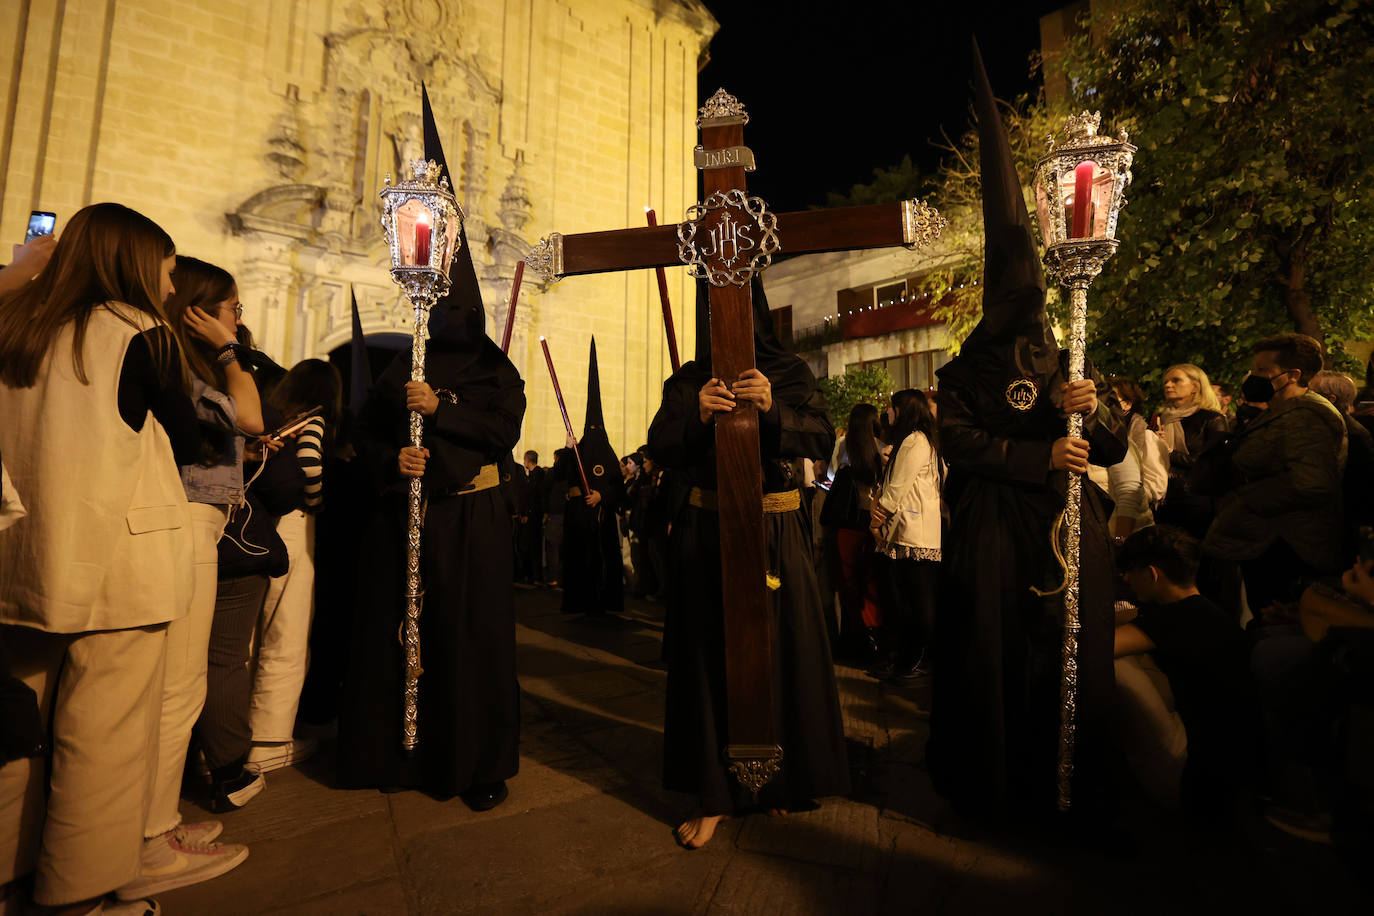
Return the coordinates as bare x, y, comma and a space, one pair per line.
310, 456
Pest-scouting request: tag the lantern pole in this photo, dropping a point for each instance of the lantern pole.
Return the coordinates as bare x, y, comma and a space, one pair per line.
421, 222
1078, 245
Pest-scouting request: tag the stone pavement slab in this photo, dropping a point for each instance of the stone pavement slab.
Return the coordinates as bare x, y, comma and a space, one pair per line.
587, 829
517, 864
292, 871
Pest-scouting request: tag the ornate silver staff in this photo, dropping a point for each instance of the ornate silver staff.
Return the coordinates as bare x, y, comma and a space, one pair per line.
421, 221
1080, 188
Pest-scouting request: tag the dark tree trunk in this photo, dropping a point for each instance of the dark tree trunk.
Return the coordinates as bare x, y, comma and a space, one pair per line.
1297, 299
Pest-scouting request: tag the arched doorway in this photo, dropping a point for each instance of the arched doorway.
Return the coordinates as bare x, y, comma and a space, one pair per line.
381, 350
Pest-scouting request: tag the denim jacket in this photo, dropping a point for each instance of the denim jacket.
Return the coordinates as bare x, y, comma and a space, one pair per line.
220, 483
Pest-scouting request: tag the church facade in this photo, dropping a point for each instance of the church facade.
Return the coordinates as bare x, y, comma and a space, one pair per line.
259, 133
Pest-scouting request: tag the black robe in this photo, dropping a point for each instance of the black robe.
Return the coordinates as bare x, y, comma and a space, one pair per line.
807, 709
469, 703
593, 570
995, 714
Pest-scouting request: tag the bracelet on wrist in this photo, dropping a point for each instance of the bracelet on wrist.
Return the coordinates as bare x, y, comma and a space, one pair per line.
231, 352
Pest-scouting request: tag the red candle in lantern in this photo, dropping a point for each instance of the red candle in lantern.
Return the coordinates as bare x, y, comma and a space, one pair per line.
422, 240
1083, 199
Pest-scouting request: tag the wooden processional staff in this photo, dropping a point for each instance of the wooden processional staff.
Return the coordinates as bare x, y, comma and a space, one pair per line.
726, 239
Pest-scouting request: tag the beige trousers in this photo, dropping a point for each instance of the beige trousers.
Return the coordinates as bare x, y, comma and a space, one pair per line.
283, 637
1150, 729
183, 689
102, 691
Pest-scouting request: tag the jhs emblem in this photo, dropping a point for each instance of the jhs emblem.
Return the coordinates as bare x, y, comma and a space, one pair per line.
1021, 394
598, 470
729, 237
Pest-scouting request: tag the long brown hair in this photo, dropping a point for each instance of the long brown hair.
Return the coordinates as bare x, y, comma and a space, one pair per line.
311, 382
861, 443
203, 286
107, 253
912, 408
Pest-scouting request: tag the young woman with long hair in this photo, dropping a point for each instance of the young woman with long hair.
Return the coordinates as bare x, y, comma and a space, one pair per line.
202, 314
1190, 424
283, 647
906, 529
97, 418
847, 510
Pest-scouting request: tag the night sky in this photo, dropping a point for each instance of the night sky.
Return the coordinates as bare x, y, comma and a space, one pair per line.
836, 89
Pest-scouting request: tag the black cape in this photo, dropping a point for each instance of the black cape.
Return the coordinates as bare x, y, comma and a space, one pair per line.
469, 708
807, 709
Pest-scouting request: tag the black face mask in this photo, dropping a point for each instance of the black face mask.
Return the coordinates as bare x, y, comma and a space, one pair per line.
1258, 389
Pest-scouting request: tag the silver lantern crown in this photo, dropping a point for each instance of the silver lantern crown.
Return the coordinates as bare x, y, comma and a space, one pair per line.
422, 223
1080, 186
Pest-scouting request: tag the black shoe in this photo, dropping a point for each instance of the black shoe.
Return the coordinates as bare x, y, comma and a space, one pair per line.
234, 791
907, 674
485, 796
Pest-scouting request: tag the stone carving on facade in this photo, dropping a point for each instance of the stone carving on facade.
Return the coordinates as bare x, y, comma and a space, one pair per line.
285, 150
332, 148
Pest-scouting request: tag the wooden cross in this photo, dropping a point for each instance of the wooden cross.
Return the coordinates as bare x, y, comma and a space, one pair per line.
726, 239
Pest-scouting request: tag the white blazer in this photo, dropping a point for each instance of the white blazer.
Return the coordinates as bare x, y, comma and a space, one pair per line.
911, 494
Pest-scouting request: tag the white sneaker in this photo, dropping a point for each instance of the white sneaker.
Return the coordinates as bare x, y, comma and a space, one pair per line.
264, 758
171, 860
200, 832
114, 907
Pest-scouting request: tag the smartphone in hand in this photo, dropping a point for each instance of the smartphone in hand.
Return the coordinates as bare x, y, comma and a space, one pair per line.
41, 222
296, 423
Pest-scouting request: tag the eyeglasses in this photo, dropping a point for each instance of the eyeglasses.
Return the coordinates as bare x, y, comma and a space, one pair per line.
238, 311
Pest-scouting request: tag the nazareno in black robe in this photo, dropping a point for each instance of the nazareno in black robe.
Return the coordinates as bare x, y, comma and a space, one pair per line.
469, 706
593, 570
469, 702
806, 702
996, 653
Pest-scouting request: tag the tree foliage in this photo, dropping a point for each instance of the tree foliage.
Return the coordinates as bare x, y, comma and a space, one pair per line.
898, 182
957, 192
1253, 196
1252, 207
858, 385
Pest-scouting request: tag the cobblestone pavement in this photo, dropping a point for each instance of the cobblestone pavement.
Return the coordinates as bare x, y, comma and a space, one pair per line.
587, 828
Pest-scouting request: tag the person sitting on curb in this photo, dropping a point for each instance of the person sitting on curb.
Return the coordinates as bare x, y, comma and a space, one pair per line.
1189, 723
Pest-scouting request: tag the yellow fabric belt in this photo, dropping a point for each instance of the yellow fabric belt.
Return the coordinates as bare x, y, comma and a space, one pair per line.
773, 503
573, 492
489, 476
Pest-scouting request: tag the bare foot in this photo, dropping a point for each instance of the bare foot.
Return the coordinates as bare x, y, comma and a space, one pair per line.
697, 832
777, 812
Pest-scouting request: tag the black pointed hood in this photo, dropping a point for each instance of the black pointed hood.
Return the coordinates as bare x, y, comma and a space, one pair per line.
1014, 326
359, 369
768, 350
598, 458
595, 419
458, 320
